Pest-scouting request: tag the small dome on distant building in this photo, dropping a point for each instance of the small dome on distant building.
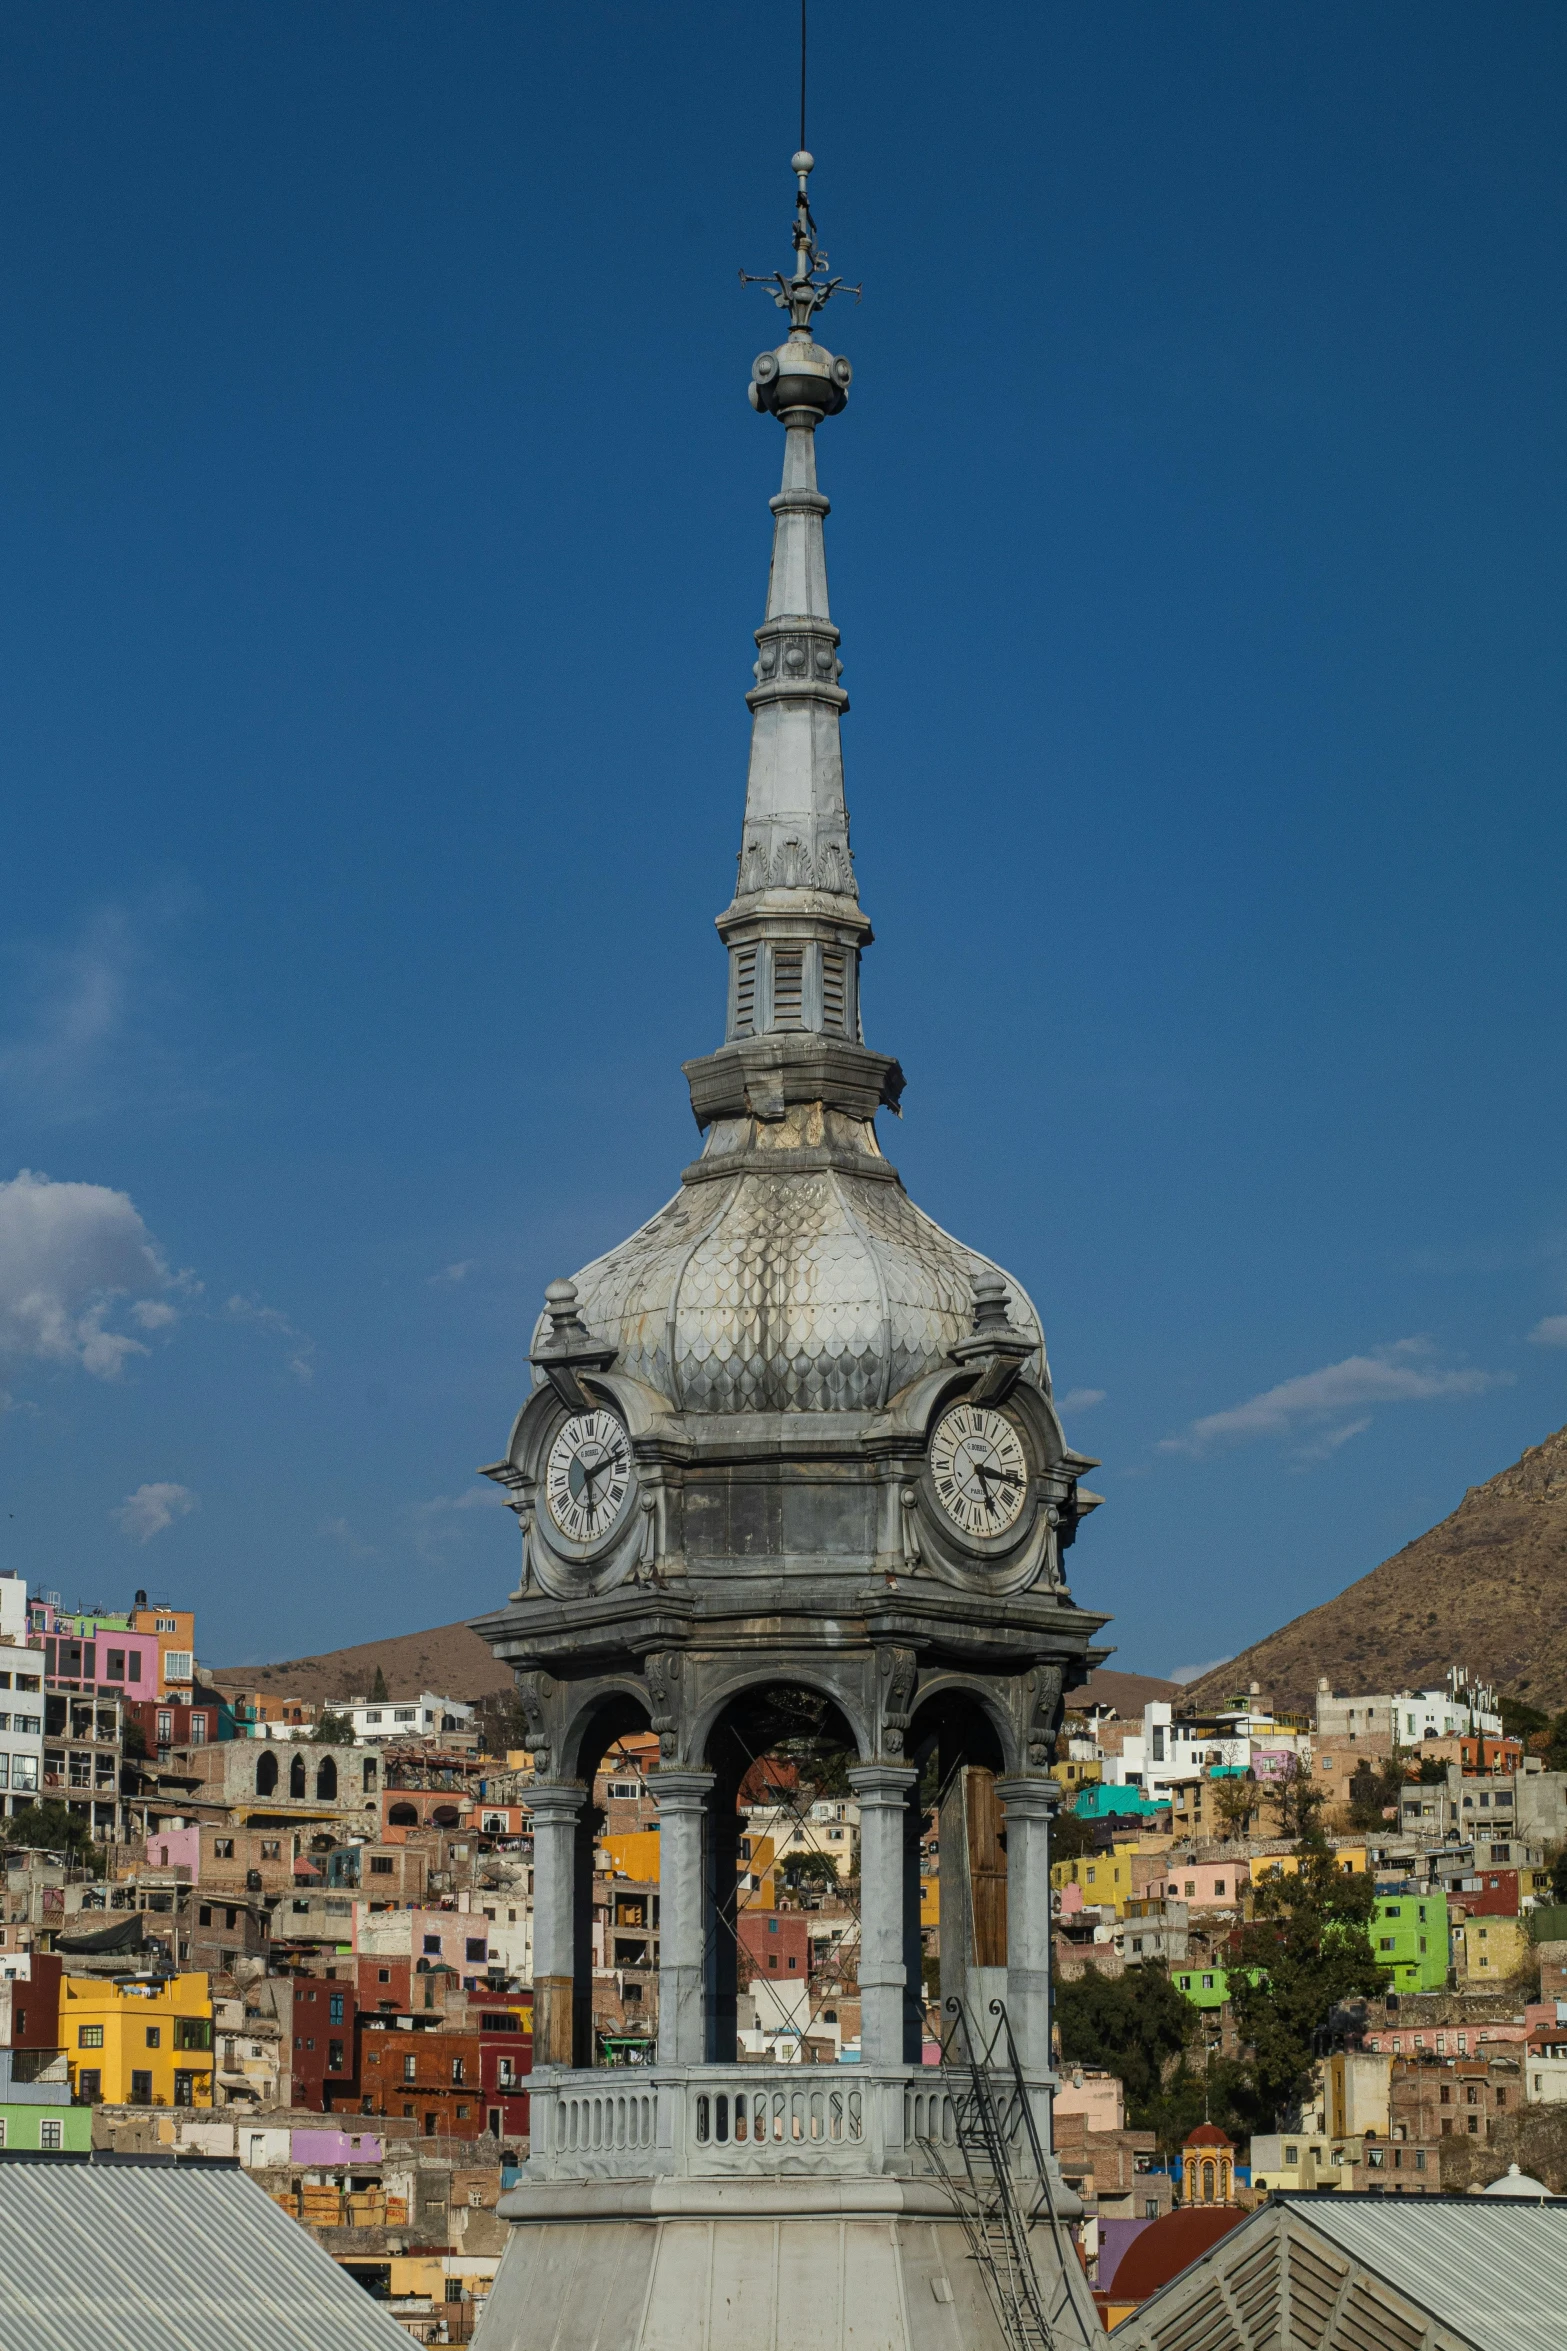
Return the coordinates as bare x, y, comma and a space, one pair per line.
1515, 2182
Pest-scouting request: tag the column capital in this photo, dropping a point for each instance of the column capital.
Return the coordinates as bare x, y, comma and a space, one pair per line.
557, 1800
681, 1791
1030, 1799
882, 1783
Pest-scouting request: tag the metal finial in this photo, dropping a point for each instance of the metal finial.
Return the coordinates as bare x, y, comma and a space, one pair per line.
810, 288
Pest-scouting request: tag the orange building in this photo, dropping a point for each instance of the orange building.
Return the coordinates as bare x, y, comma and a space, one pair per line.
176, 1634
1208, 2167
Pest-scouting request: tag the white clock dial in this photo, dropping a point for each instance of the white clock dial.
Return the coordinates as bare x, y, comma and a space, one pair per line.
979, 1470
588, 1476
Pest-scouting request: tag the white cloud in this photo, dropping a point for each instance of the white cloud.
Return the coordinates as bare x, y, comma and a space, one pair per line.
302, 1350
1322, 1448
152, 1508
1552, 1332
341, 1532
451, 1275
1398, 1374
1194, 1673
69, 1253
1080, 1399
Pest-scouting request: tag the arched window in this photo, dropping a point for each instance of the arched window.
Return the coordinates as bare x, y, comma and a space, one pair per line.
326, 1779
266, 1773
1207, 2183
296, 1776
403, 1816
445, 1816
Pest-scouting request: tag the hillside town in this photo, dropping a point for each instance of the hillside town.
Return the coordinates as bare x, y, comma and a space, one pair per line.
297, 1935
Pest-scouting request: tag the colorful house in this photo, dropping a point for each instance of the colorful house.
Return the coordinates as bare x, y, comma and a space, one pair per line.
1105, 1879
1488, 1950
1204, 1987
138, 2044
1409, 1934
36, 2114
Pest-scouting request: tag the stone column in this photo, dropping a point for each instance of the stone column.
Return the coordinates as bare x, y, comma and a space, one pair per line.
555, 1809
1031, 1806
883, 1792
682, 1810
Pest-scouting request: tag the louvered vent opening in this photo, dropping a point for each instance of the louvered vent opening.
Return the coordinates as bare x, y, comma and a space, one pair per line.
833, 985
788, 987
745, 992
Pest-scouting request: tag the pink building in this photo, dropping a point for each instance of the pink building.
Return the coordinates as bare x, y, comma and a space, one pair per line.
175, 1849
1204, 1885
328, 2147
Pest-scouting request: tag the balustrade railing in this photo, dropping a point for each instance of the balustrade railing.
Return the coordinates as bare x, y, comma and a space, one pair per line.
721, 2121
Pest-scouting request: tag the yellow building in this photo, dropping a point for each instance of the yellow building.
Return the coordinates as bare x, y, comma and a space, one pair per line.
1349, 1859
634, 1855
138, 2044
1105, 1878
1077, 1771
930, 1902
1487, 1950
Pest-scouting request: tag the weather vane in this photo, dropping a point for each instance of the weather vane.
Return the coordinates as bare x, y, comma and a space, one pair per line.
811, 287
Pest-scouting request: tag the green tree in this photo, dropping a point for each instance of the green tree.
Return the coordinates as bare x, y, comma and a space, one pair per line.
1136, 2026
809, 1869
1305, 1950
378, 1689
1235, 1800
1373, 1788
1071, 1837
51, 1828
333, 1730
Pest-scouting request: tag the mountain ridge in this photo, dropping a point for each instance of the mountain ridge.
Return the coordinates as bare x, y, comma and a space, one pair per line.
1485, 1588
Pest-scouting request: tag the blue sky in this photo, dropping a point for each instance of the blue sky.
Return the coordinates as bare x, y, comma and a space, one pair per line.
384, 527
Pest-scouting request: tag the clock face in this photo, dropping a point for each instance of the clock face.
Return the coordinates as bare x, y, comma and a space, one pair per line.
979, 1470
588, 1476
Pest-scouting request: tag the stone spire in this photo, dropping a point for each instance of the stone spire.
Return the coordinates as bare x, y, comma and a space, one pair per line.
794, 929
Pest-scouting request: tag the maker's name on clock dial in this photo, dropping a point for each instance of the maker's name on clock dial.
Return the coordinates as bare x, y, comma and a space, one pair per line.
979, 1471
588, 1476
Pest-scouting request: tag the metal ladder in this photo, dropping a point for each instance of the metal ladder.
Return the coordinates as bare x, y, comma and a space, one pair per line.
990, 2111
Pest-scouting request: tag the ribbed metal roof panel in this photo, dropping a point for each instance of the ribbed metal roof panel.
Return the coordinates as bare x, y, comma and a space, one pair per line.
1494, 2270
121, 2257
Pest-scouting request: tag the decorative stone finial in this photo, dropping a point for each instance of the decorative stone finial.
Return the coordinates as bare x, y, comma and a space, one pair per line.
991, 1300
560, 1304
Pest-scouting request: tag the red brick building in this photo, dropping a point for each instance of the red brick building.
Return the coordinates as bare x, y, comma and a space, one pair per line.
323, 2061
505, 2060
774, 1943
429, 2074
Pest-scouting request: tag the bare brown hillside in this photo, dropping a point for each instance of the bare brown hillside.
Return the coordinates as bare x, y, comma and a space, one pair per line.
454, 1663
451, 1660
1486, 1589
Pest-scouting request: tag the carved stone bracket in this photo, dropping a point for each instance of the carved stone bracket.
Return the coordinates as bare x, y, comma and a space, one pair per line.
1038, 1701
664, 1671
897, 1673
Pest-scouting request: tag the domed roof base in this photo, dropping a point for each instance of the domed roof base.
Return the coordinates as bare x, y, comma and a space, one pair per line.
873, 2264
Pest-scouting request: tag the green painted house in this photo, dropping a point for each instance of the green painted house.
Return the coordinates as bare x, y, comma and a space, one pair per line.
1204, 1987
1409, 1935
49, 2130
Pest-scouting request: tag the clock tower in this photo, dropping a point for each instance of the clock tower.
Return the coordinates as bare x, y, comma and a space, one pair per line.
790, 1452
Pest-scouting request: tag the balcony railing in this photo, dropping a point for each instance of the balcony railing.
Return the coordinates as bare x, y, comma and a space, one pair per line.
721, 2122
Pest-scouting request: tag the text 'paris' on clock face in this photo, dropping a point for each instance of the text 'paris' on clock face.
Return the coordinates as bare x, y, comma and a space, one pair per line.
588, 1476
979, 1470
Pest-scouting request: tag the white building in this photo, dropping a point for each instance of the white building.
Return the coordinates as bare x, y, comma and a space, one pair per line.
1405, 1717
424, 1717
13, 1608
21, 1721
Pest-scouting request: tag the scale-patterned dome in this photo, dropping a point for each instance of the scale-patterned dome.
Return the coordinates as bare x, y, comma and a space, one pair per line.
791, 1291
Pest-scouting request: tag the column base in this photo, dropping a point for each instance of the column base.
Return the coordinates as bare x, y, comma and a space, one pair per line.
846, 2264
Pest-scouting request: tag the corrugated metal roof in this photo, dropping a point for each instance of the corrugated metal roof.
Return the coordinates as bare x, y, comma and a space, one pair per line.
121, 2257
1495, 2271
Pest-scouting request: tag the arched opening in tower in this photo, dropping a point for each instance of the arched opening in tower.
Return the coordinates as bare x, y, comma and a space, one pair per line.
782, 1933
